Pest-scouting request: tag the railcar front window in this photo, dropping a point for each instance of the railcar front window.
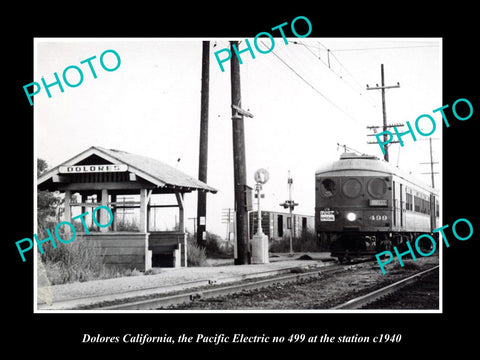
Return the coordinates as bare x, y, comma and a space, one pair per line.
352, 188
327, 188
377, 187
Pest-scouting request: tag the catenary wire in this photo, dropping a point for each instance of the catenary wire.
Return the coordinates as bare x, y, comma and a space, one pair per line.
309, 84
358, 91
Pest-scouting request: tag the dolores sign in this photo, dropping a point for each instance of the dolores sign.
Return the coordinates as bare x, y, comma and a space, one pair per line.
92, 168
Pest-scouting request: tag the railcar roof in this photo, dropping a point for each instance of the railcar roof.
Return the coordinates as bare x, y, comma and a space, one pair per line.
350, 161
367, 163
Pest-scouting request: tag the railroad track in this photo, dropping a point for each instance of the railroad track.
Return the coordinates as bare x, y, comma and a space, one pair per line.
164, 301
205, 290
102, 301
361, 301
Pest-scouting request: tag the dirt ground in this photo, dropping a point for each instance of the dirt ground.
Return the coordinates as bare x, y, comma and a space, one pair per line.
323, 292
420, 295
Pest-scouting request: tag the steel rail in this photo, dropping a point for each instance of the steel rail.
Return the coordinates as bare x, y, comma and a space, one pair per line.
189, 297
95, 301
363, 300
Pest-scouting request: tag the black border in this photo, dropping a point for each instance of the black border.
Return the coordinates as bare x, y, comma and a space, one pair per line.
422, 332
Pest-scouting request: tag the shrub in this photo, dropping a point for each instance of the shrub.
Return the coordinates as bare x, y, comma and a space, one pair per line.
127, 225
306, 242
217, 248
196, 255
79, 260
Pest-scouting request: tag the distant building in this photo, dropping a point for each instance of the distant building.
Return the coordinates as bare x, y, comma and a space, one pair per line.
277, 225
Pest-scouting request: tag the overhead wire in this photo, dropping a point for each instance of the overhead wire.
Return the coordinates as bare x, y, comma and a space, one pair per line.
386, 47
311, 52
309, 84
427, 44
359, 91
354, 79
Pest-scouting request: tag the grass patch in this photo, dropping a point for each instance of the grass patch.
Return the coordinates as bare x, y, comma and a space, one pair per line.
127, 225
306, 242
75, 261
215, 248
196, 255
79, 260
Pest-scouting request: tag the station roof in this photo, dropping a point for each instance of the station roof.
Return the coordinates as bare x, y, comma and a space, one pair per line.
151, 170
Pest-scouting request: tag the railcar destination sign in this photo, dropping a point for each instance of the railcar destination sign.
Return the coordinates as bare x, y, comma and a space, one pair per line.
378, 202
72, 169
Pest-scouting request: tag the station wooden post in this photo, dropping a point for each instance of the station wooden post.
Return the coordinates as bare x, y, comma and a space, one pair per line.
67, 214
103, 213
143, 210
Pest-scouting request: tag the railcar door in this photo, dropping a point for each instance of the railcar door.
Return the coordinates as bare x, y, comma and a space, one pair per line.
395, 205
433, 222
401, 205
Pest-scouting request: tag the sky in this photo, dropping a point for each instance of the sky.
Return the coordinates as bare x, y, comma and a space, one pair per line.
306, 96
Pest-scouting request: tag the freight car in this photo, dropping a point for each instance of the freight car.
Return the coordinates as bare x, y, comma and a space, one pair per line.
277, 225
364, 205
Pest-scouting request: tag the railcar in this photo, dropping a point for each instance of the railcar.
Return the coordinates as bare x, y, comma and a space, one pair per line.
364, 205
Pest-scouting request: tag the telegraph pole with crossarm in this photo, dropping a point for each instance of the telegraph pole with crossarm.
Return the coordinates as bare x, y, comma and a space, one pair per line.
203, 148
431, 162
384, 110
243, 194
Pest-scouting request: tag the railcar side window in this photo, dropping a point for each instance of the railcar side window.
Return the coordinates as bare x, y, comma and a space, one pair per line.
409, 202
327, 188
416, 202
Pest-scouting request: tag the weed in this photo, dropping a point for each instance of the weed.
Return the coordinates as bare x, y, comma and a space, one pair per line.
306, 242
196, 255
80, 260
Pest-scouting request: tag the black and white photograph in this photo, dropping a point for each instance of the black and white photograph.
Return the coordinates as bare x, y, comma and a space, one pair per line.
160, 212
274, 186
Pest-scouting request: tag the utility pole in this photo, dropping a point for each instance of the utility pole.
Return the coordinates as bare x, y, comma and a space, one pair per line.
243, 195
431, 162
203, 152
384, 110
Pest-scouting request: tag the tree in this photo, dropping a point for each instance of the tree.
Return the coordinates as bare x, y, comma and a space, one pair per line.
47, 202
41, 167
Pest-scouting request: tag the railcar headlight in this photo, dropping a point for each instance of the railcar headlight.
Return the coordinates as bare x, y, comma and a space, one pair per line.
351, 216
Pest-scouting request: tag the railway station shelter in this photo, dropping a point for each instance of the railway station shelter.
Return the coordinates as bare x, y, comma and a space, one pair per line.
100, 176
